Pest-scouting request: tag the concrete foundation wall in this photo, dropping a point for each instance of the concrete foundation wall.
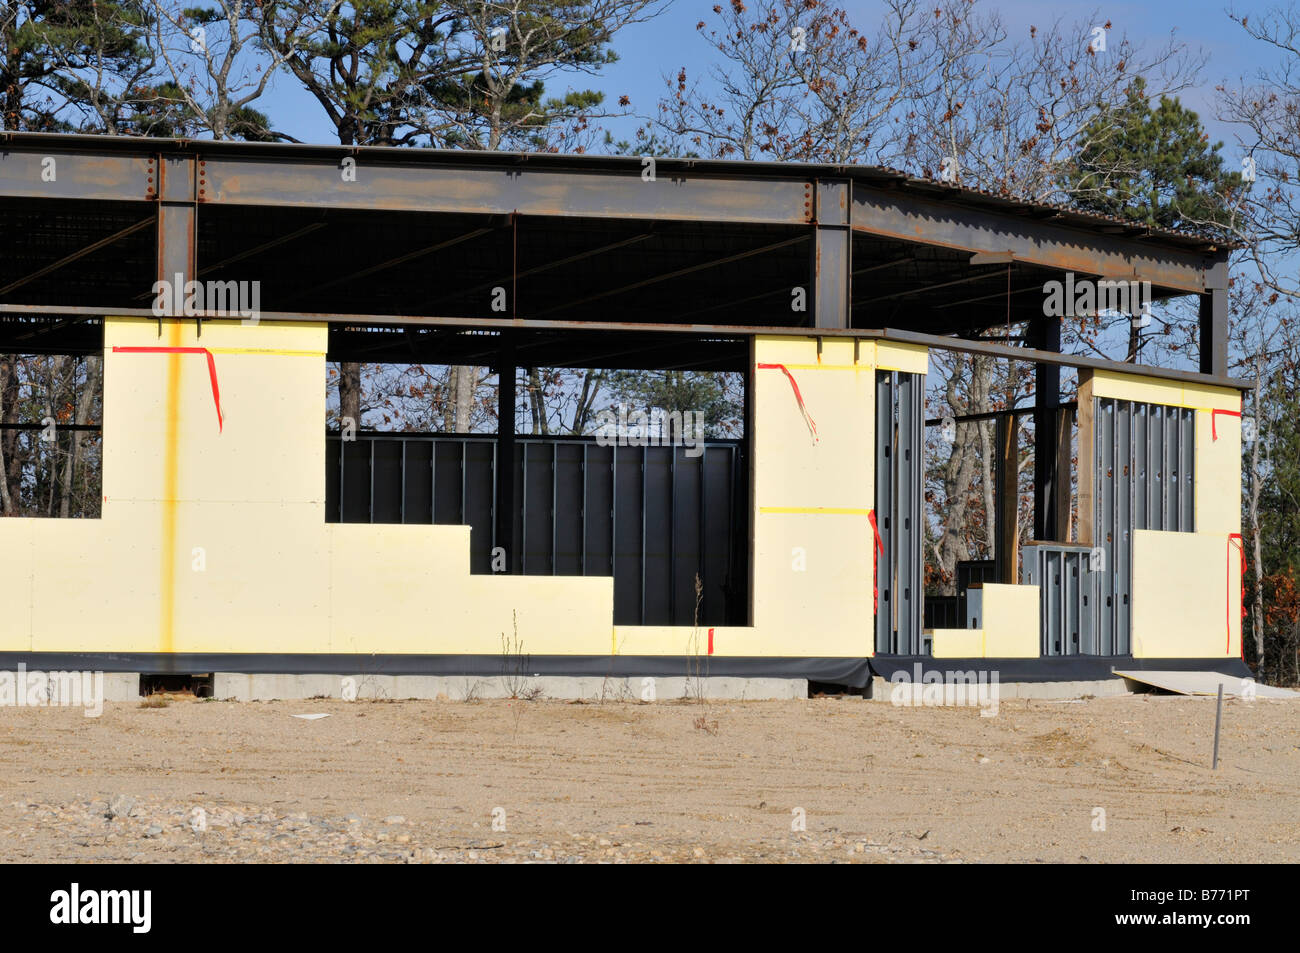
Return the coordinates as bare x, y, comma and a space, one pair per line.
240, 687
880, 689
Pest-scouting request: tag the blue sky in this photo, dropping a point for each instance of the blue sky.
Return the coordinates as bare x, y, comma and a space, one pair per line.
649, 51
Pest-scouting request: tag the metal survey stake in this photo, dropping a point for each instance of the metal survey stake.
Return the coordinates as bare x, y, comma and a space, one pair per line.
1218, 718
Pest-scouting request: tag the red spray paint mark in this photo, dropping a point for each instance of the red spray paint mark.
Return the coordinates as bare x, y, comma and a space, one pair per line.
876, 552
1227, 582
1214, 415
212, 369
807, 417
710, 641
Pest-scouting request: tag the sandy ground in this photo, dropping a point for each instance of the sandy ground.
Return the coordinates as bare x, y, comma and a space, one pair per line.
423, 781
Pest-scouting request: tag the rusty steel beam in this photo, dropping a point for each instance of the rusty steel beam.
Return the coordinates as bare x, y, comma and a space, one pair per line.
59, 174
963, 345
832, 255
395, 185
902, 216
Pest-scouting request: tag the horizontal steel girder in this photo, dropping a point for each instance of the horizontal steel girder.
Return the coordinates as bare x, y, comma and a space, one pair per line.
1035, 241
963, 345
499, 191
77, 175
318, 182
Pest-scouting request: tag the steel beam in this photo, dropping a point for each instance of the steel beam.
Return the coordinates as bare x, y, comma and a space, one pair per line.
832, 255
397, 185
1214, 322
942, 342
59, 174
175, 182
902, 216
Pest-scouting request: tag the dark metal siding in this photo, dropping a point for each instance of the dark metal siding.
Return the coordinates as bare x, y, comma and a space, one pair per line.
651, 517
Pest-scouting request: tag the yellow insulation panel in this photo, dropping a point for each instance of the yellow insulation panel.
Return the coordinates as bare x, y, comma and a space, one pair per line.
1186, 595
1157, 390
1218, 473
1010, 621
213, 535
957, 643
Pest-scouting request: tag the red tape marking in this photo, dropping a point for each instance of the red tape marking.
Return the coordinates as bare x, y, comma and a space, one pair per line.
1214, 416
807, 417
876, 552
710, 641
1227, 583
212, 369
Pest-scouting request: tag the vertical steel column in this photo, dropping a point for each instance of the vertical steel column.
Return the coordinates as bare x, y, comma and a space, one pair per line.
505, 453
1214, 320
177, 228
832, 254
1051, 508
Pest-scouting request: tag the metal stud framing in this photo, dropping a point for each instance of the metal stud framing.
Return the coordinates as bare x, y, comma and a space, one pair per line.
1145, 478
1068, 592
900, 418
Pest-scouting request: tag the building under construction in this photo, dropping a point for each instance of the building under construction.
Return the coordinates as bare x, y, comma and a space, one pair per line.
826, 287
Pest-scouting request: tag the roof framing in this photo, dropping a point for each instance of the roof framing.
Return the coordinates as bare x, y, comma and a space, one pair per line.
833, 207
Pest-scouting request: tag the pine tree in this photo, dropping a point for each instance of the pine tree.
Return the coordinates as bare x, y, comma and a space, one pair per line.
1152, 165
